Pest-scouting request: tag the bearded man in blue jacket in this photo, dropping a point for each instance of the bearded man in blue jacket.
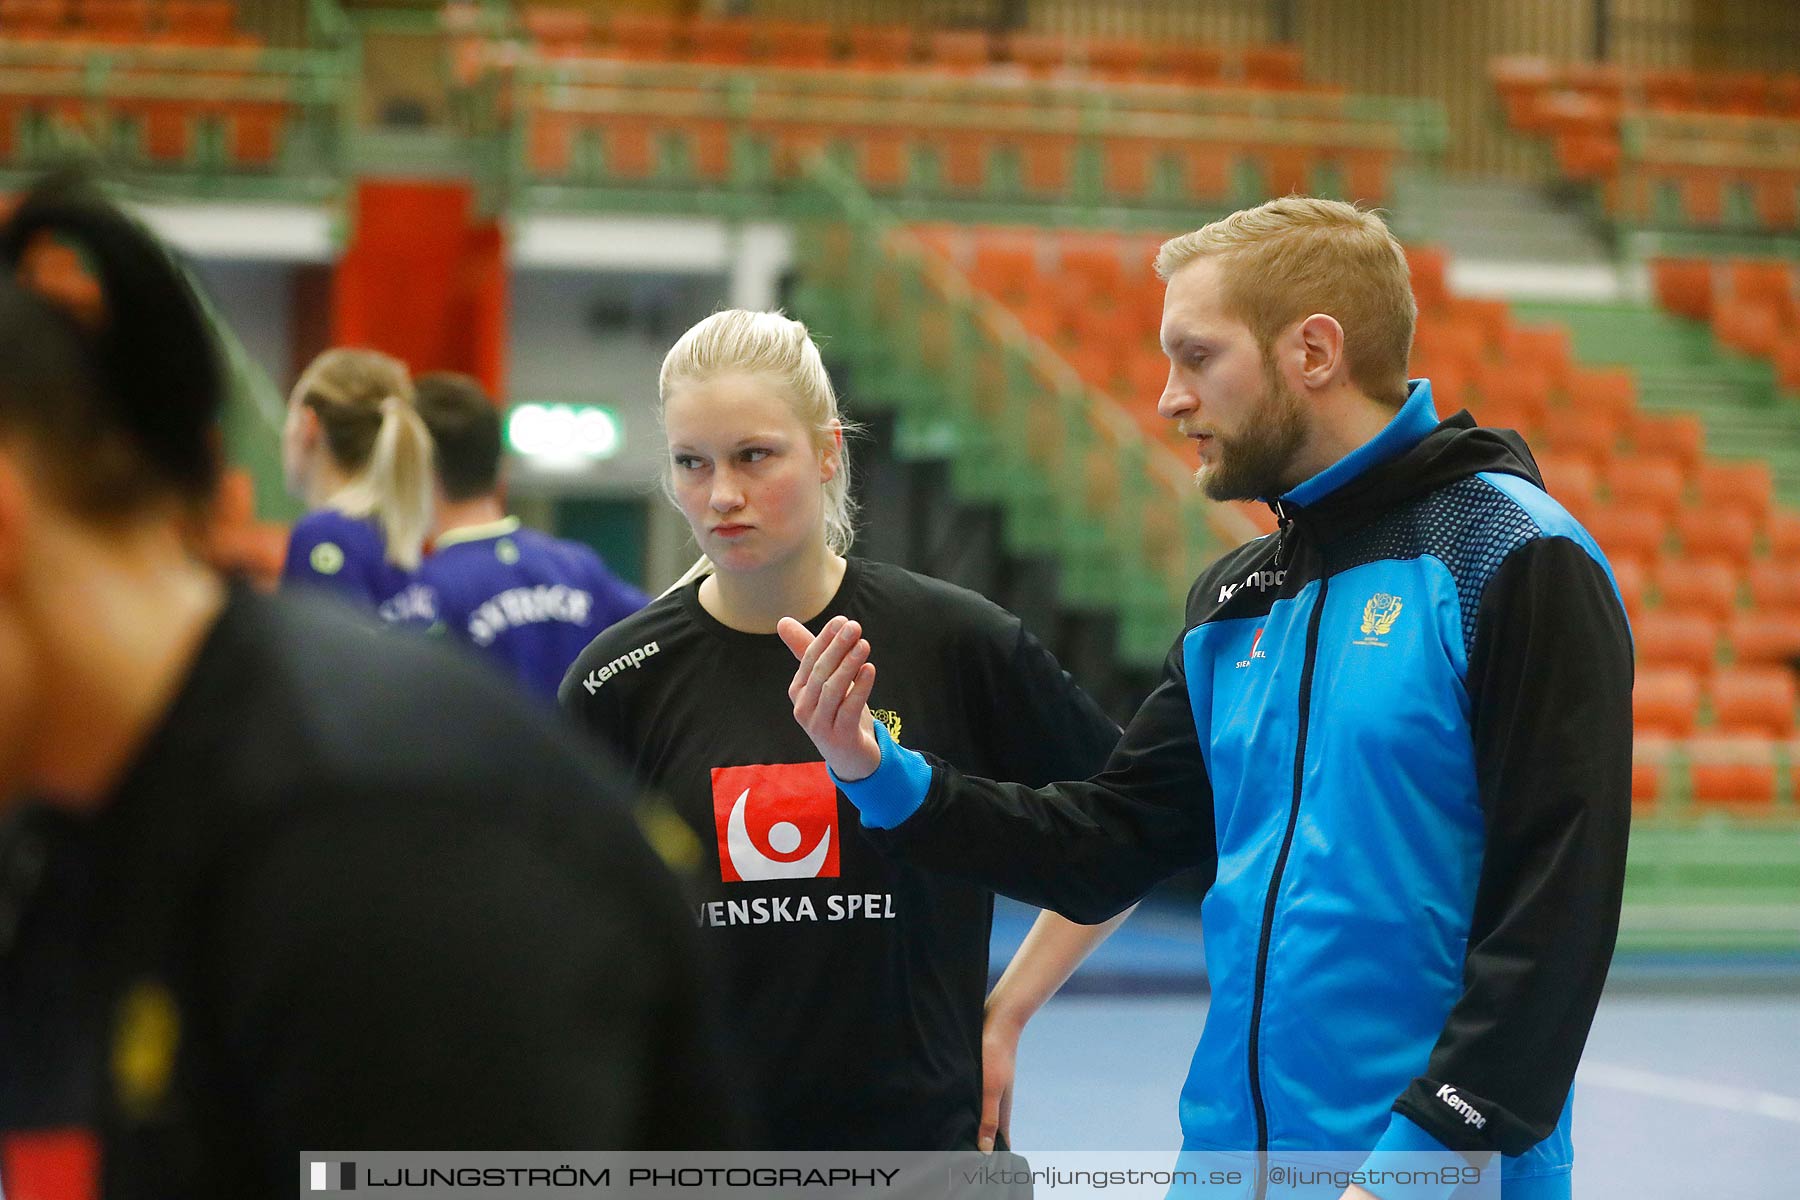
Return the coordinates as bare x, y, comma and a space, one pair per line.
1396, 734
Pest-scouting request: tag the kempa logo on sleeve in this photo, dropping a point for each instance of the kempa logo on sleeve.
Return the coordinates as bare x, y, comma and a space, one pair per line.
631, 661
1262, 581
1461, 1107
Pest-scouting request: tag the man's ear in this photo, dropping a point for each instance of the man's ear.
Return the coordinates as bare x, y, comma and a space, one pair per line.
1322, 350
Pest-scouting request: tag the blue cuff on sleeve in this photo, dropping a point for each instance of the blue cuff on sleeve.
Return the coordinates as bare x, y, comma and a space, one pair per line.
896, 789
1395, 1152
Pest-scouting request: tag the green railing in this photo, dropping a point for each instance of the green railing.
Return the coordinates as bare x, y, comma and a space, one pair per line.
235, 121
691, 138
1076, 477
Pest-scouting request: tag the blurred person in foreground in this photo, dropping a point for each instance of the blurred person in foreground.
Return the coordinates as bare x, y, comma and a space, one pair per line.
527, 600
1397, 733
280, 886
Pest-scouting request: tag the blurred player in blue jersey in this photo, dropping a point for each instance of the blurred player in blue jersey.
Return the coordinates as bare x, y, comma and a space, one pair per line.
355, 450
530, 601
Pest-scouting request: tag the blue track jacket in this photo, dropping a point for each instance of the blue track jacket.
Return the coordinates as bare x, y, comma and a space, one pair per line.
1398, 735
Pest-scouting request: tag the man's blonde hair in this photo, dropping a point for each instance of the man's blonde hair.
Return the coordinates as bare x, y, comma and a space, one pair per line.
1287, 259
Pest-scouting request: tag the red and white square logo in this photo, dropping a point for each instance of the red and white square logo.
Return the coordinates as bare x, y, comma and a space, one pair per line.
775, 822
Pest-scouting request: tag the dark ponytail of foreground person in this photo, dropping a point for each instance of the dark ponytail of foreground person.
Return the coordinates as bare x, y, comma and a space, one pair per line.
107, 361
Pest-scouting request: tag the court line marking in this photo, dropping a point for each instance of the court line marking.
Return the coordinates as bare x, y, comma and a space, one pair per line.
1773, 1105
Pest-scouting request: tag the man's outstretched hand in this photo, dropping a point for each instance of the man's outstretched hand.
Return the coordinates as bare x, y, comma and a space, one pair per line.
830, 692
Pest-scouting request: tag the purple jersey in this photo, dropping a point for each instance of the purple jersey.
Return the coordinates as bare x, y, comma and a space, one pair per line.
346, 557
531, 601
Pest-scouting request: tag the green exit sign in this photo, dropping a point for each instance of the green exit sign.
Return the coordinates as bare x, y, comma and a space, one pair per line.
567, 434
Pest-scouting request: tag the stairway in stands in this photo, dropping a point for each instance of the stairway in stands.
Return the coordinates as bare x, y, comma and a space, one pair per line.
1681, 368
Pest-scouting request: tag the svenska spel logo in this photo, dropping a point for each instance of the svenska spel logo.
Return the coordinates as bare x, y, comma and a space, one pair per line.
775, 821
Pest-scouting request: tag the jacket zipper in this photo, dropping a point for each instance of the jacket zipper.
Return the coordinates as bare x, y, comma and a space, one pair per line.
1287, 842
1283, 523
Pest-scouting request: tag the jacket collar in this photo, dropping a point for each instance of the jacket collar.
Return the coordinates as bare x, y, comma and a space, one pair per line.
1410, 426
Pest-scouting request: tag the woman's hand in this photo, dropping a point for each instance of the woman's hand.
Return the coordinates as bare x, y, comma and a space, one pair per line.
831, 691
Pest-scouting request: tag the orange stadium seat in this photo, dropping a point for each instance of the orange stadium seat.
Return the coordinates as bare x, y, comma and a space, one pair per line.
1775, 198
1746, 485
1679, 436
1611, 390
722, 41
1665, 700
1428, 265
801, 44
1755, 698
1775, 584
958, 50
1630, 574
1120, 60
1684, 286
1572, 480
1191, 64
199, 22
1521, 391
1697, 585
1770, 637
1042, 55
1732, 770
1275, 67
1650, 483
1726, 533
1747, 325
1767, 283
120, 21
1544, 347
1784, 536
1649, 768
1627, 532
1592, 434
643, 35
1677, 639
881, 47
560, 32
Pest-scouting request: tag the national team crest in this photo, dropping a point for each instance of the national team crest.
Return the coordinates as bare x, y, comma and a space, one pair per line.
1379, 615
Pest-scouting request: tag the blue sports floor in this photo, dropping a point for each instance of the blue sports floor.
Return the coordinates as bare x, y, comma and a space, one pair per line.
1690, 1087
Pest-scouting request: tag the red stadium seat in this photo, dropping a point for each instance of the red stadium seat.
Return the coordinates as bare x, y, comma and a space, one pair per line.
1521, 390
1754, 699
1697, 585
1733, 771
1665, 700
721, 41
1677, 639
1191, 64
798, 44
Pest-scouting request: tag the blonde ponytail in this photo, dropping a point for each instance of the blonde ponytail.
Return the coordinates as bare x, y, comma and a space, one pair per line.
395, 486
364, 401
703, 566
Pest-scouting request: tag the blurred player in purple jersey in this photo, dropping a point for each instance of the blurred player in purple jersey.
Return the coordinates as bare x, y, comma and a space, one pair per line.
529, 601
355, 450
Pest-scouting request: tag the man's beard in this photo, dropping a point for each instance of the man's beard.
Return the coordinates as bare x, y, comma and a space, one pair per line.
1253, 463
